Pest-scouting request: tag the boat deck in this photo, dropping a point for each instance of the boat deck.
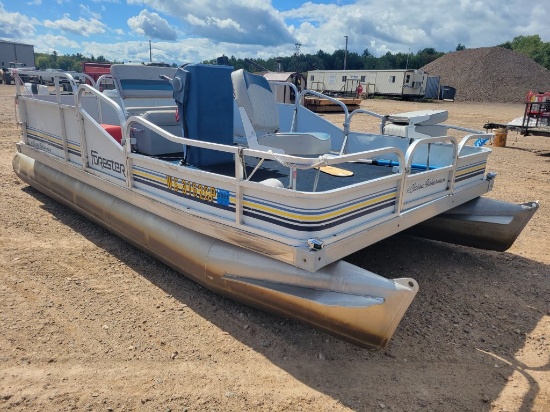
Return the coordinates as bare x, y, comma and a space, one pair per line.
346, 174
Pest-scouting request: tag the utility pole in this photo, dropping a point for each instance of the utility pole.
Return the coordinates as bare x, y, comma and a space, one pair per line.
407, 64
150, 53
346, 53
297, 54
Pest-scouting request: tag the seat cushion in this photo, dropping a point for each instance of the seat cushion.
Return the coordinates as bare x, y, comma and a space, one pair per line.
114, 130
254, 94
298, 143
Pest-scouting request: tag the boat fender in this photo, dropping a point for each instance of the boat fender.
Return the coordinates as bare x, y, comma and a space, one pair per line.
273, 183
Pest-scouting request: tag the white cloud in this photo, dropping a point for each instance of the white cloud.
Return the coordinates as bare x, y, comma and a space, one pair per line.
230, 21
81, 26
214, 22
152, 25
87, 11
16, 26
255, 29
47, 43
403, 24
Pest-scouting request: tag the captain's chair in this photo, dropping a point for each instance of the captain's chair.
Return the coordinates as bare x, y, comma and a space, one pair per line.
260, 116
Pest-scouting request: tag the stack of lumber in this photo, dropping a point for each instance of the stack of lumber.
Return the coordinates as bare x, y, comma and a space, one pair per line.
320, 105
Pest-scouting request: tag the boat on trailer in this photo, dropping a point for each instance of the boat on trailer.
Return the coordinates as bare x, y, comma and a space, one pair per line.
256, 200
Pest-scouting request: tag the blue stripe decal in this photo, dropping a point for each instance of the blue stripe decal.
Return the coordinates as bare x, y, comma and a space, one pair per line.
326, 225
330, 209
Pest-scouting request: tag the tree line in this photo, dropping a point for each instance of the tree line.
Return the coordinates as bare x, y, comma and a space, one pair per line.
65, 62
531, 46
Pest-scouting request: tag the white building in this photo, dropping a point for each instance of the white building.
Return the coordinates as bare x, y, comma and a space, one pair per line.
16, 52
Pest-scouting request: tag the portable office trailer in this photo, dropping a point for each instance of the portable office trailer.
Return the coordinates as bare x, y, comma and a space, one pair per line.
400, 83
16, 52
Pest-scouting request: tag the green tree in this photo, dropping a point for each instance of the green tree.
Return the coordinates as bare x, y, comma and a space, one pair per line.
506, 45
531, 46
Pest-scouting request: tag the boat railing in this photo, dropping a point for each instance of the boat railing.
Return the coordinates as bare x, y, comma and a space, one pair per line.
347, 124
472, 134
57, 76
101, 97
404, 171
296, 100
300, 101
305, 92
240, 182
104, 80
479, 136
449, 168
21, 86
89, 78
291, 161
403, 165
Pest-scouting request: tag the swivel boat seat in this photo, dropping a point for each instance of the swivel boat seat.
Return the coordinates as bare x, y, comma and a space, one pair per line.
142, 91
260, 115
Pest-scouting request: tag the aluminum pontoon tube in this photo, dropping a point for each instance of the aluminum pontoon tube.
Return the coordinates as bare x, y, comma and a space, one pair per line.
342, 299
482, 223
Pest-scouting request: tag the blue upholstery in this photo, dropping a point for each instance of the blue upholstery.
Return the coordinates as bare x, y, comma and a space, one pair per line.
206, 111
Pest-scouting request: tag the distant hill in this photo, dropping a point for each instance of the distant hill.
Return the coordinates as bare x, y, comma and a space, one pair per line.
490, 74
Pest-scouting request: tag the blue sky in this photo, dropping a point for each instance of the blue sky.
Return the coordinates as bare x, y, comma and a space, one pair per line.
183, 31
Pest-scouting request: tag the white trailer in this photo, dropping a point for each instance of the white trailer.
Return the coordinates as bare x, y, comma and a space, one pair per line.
284, 94
408, 83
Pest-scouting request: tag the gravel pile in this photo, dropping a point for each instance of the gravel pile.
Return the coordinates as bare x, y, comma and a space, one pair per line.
490, 74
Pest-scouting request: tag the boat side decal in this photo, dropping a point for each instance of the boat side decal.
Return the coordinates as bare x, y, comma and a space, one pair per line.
45, 141
107, 164
470, 171
318, 219
74, 147
184, 188
295, 218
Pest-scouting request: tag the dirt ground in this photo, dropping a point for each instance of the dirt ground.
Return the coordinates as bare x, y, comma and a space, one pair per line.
91, 323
